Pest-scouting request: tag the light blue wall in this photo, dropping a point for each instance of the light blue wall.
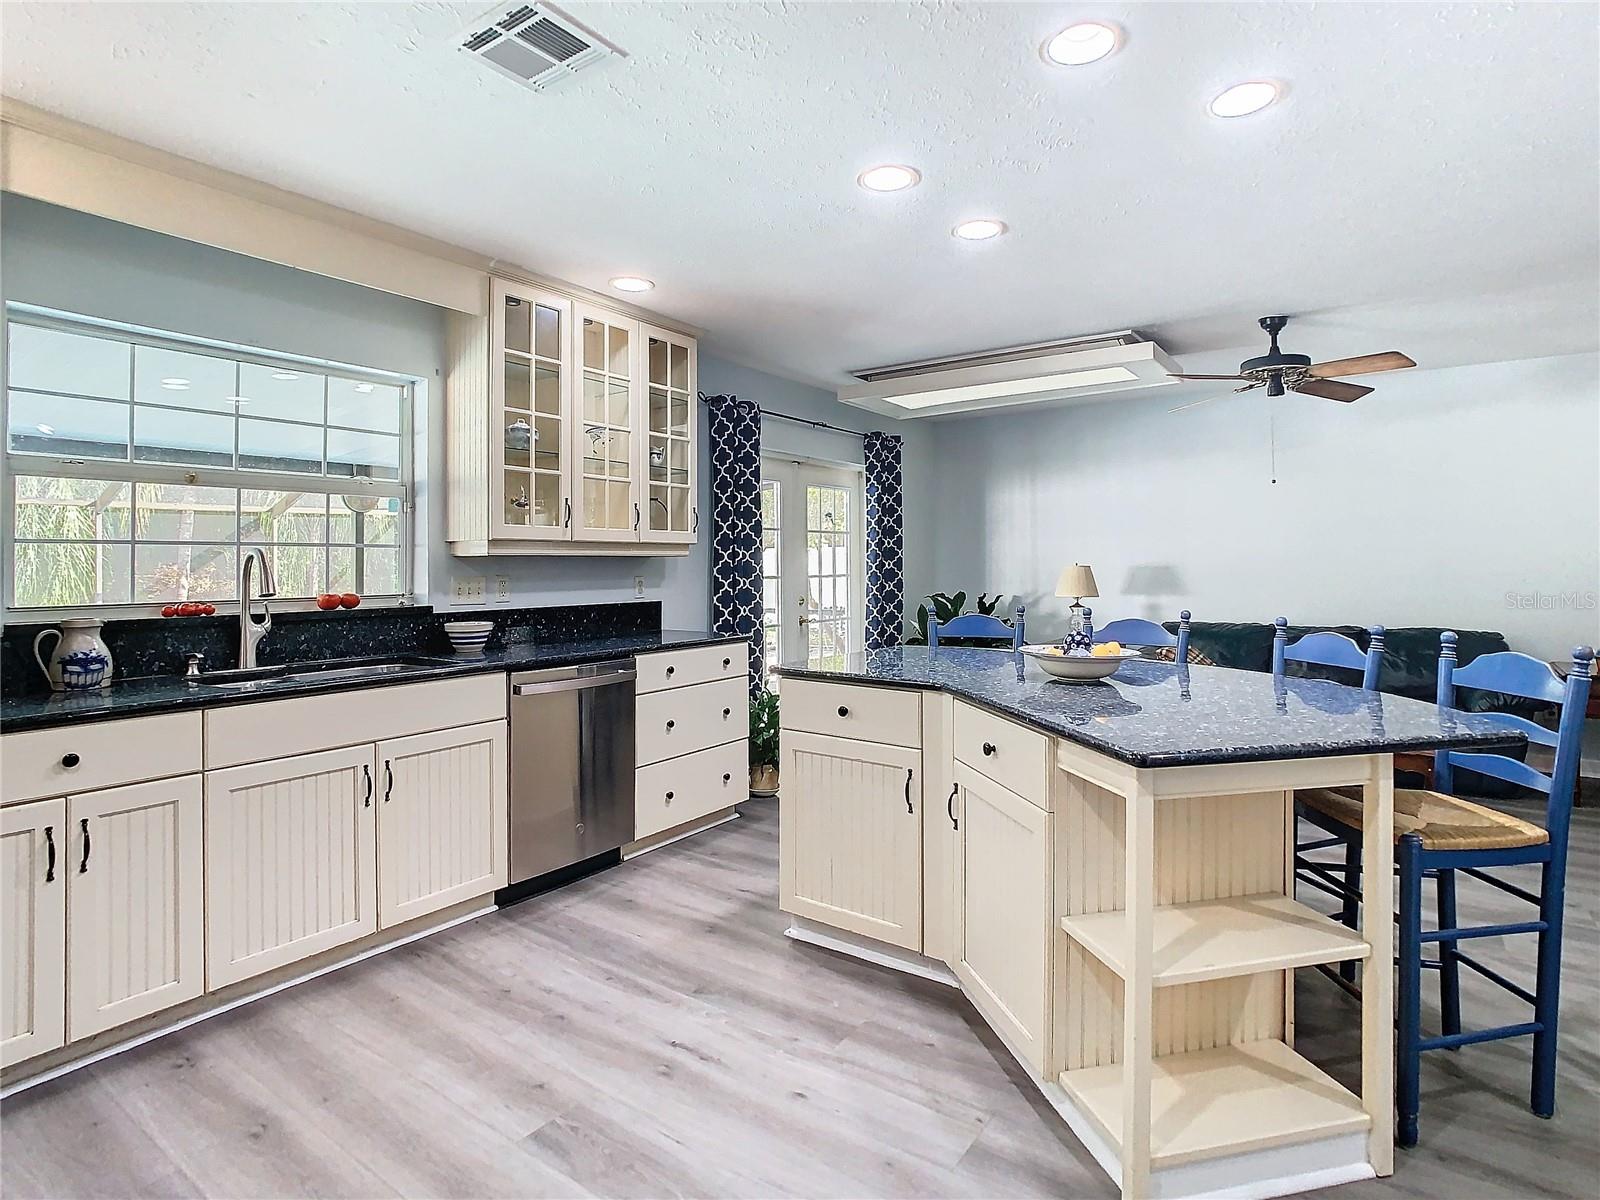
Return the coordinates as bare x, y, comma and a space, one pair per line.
83, 264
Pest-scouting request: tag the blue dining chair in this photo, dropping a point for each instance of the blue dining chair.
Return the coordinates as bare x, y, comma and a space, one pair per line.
1438, 835
1327, 649
1136, 631
978, 625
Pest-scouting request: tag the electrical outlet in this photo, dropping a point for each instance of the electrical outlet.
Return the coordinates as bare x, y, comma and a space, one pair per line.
502, 589
467, 590
638, 587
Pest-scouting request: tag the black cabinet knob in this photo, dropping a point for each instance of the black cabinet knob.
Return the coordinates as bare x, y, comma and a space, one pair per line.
669, 797
670, 724
988, 749
727, 662
843, 711
726, 777
70, 760
726, 713
670, 670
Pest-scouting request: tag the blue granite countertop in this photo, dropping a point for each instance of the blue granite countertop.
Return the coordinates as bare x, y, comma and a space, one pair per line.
169, 693
1155, 714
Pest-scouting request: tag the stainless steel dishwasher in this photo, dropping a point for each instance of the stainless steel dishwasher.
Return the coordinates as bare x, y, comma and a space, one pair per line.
571, 766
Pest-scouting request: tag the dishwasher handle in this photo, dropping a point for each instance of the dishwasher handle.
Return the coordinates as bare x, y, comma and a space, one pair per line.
580, 683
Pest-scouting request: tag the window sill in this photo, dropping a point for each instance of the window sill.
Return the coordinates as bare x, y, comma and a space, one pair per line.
141, 612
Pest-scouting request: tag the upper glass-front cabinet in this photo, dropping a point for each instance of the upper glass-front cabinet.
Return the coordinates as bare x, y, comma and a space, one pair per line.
672, 515
571, 429
529, 435
607, 454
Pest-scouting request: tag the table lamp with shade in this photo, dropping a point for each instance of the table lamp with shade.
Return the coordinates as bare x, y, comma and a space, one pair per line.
1077, 581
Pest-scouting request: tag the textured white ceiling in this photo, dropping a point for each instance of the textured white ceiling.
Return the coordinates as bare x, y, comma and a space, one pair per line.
1429, 183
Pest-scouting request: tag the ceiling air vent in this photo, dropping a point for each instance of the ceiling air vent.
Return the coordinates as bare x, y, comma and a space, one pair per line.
1060, 372
534, 44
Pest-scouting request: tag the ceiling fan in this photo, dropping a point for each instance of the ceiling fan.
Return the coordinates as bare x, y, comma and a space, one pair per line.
1279, 372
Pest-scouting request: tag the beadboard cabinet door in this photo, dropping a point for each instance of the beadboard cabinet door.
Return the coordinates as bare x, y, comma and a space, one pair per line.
1003, 910
134, 893
33, 929
291, 860
850, 843
442, 821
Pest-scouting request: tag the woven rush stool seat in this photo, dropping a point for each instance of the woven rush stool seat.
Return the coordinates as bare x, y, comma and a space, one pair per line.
1442, 822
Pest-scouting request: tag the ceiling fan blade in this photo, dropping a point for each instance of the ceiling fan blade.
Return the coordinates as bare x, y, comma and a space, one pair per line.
1364, 364
1174, 375
1332, 389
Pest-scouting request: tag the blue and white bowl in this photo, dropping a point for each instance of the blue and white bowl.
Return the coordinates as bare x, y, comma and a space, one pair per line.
468, 637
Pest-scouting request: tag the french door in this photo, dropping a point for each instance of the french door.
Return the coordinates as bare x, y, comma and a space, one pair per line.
813, 562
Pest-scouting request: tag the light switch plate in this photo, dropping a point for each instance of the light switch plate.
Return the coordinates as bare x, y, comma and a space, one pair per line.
466, 589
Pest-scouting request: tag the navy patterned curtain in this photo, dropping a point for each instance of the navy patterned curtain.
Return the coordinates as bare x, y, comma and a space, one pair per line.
886, 578
735, 427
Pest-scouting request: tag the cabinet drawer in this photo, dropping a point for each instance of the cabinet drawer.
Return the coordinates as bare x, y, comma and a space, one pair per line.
682, 720
107, 753
1012, 756
703, 664
247, 733
685, 789
889, 715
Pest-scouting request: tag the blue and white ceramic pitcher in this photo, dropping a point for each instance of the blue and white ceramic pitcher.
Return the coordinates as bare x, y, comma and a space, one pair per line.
79, 660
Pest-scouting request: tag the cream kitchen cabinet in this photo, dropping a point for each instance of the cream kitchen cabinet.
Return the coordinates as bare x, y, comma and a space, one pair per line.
292, 853
33, 929
850, 842
442, 820
1003, 905
120, 868
570, 429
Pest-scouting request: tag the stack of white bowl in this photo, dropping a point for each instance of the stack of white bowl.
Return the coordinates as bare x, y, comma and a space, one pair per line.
468, 637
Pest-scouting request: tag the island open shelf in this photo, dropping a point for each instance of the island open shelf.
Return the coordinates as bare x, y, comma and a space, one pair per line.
1221, 939
1223, 1101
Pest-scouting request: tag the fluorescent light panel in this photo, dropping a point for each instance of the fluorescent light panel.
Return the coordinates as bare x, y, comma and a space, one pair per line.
1013, 387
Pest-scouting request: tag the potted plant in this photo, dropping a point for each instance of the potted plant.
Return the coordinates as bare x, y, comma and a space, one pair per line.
943, 608
764, 744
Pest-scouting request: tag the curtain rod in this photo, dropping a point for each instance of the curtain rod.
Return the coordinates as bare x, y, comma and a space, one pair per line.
779, 416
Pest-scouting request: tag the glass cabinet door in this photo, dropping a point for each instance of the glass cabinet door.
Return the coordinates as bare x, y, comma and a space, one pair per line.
607, 499
528, 429
669, 436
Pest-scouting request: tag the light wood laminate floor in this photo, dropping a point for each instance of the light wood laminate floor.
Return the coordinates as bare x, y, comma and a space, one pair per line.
650, 1032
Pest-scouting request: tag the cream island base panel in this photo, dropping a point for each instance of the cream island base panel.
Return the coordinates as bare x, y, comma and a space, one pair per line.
1163, 1039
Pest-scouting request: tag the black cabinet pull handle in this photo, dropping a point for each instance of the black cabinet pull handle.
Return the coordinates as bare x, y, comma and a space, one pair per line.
636, 516
843, 711
567, 519
694, 527
909, 809
366, 773
988, 749
70, 760
671, 724
49, 853
388, 781
950, 806
83, 864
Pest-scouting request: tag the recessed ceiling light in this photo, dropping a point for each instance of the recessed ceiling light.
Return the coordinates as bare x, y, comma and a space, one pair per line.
47, 430
363, 388
632, 283
1076, 45
980, 230
889, 178
174, 384
1242, 99
285, 375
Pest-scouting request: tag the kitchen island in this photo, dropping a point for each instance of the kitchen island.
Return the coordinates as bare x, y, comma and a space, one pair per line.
1106, 871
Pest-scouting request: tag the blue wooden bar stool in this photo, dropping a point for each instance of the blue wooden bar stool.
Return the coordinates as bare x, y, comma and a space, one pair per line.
1136, 631
978, 625
1438, 835
1327, 649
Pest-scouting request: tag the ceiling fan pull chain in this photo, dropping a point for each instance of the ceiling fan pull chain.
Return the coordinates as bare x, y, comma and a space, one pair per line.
1272, 439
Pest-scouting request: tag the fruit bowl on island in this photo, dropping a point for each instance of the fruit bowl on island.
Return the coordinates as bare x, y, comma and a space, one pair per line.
1081, 666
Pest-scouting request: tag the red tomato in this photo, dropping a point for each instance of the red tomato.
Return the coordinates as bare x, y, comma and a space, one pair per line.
188, 608
208, 610
169, 610
327, 600
349, 599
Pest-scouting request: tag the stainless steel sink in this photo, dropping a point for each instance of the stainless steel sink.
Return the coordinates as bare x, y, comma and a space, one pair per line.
326, 670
